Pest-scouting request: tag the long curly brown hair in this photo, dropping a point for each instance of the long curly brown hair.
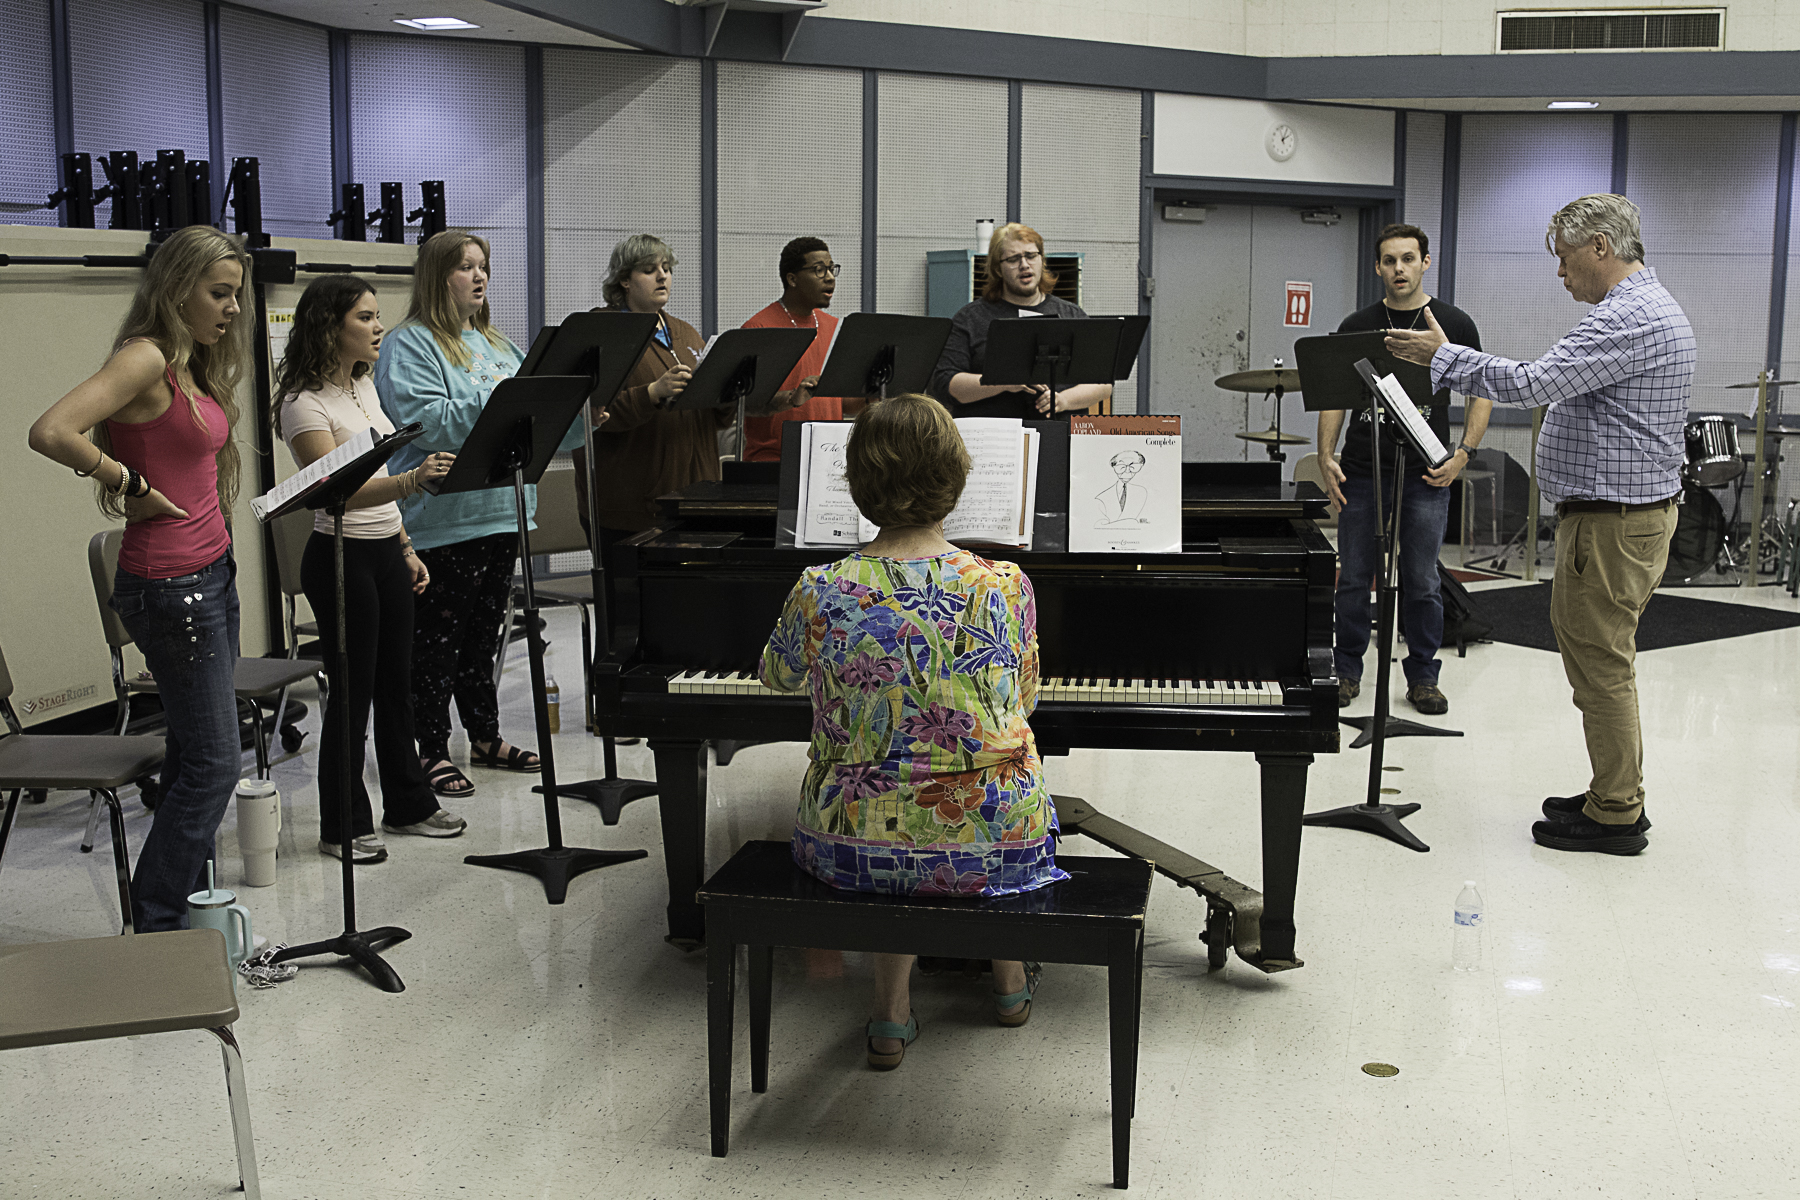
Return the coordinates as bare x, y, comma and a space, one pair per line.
311, 356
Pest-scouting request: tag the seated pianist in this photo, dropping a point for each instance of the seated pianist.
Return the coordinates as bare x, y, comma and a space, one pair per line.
921, 660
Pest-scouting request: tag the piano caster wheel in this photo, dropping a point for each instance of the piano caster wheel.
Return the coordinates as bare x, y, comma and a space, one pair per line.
1217, 937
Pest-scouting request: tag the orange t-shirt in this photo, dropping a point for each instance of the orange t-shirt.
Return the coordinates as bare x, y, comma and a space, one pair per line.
762, 435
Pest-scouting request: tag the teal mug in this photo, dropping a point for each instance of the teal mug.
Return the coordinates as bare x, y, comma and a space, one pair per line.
218, 909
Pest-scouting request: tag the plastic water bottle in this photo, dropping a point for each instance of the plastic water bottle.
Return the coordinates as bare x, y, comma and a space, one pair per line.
1465, 953
553, 702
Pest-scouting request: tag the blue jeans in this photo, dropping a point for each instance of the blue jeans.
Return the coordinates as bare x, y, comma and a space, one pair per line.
1423, 512
187, 629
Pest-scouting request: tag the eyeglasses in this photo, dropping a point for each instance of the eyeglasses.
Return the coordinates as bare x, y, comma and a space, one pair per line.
1014, 260
825, 270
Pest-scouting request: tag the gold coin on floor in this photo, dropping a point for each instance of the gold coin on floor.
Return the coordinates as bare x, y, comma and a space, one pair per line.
1380, 1070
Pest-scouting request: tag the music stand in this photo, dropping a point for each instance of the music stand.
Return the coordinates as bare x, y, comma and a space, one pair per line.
332, 493
513, 442
604, 346
874, 354
1061, 352
1337, 372
744, 367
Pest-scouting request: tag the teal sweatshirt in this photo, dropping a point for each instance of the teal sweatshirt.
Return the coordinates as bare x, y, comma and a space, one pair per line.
417, 383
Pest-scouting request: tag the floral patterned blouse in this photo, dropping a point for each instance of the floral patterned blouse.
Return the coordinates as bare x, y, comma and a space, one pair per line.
924, 777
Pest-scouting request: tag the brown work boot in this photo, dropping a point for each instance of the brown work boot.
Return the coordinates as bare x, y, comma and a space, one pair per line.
1427, 699
1348, 690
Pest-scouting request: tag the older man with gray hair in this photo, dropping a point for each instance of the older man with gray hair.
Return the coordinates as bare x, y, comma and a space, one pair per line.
1615, 390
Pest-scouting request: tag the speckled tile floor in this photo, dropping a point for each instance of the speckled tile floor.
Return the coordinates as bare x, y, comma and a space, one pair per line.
1632, 1032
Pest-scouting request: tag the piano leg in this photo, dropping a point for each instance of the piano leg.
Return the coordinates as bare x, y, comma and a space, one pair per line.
681, 794
1283, 804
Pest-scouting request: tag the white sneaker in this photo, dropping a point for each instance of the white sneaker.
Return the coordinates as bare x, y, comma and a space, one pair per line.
369, 848
441, 824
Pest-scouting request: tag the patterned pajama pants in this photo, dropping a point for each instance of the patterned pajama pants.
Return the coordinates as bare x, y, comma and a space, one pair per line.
455, 637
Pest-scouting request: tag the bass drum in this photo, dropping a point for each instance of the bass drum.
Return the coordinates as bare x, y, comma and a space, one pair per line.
1712, 451
1699, 535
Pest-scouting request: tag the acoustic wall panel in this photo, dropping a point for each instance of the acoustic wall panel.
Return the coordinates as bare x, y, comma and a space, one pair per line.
1424, 182
1079, 187
452, 110
28, 167
942, 150
621, 156
790, 164
1706, 185
1516, 171
139, 78
275, 78
1790, 325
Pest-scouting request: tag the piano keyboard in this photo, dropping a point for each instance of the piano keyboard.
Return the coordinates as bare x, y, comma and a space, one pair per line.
1230, 692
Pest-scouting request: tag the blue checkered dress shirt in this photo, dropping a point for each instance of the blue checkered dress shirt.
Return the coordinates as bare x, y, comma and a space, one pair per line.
1616, 388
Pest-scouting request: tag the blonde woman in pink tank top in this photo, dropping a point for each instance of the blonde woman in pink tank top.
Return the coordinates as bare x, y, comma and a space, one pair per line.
153, 430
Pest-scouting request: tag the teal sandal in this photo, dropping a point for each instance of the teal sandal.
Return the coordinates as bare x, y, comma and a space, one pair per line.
1034, 972
907, 1033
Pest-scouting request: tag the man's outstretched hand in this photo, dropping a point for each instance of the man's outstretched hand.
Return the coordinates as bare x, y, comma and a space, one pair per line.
1417, 345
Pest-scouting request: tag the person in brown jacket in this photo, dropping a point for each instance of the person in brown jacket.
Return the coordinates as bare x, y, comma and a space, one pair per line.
645, 450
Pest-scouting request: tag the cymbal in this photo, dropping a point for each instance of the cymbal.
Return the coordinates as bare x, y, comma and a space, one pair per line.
1738, 387
1270, 437
1287, 379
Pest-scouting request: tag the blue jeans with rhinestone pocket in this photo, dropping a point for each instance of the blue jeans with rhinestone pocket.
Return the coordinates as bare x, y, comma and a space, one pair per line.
187, 629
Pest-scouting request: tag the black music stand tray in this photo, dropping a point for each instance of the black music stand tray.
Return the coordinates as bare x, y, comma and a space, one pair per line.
604, 346
1061, 352
332, 493
745, 367
875, 354
1336, 372
513, 442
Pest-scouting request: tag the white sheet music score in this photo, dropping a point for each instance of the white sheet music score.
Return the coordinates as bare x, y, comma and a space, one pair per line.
358, 445
828, 516
1412, 421
998, 501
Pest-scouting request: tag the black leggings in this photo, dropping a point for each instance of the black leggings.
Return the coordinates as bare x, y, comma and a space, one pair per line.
457, 636
378, 614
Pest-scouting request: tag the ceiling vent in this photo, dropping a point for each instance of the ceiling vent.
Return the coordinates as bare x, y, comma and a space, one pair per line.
1611, 30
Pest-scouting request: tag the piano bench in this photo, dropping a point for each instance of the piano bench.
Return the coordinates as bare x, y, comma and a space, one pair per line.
760, 899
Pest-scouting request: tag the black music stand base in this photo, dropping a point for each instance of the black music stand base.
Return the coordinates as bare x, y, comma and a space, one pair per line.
1395, 727
1383, 820
610, 794
556, 865
363, 947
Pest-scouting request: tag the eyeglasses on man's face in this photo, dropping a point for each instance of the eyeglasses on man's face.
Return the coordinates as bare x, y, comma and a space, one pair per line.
824, 270
1022, 258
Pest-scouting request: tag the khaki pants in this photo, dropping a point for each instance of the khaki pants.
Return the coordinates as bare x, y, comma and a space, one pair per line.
1607, 566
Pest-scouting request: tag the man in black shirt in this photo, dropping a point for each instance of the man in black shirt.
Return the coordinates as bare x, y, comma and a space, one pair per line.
1402, 253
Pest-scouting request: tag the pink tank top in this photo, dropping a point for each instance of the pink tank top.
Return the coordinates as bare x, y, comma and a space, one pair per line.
180, 460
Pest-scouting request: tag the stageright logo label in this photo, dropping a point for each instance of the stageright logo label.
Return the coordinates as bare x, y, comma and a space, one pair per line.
52, 700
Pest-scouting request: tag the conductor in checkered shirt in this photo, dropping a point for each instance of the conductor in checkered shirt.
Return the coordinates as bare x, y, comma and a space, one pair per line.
1615, 394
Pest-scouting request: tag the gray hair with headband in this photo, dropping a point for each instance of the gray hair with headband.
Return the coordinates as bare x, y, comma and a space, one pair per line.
1612, 217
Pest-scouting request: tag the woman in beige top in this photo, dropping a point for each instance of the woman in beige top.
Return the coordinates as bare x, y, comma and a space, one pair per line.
324, 398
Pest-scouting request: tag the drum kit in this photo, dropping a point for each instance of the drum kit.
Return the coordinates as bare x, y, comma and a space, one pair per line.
1705, 540
1275, 382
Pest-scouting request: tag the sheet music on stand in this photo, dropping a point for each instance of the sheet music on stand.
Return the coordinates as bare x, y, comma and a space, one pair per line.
320, 468
1406, 414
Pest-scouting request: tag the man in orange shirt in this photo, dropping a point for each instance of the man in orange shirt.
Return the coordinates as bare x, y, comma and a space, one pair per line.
808, 278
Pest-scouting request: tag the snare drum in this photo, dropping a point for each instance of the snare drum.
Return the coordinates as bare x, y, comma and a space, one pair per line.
1712, 451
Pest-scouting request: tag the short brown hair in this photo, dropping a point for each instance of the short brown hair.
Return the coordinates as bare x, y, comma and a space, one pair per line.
906, 463
1390, 232
1013, 231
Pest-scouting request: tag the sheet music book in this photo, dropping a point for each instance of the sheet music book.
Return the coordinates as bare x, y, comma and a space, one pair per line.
1412, 422
321, 468
828, 517
1124, 484
999, 501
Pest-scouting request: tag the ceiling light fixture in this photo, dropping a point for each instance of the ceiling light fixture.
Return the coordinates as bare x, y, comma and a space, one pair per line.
1573, 104
434, 24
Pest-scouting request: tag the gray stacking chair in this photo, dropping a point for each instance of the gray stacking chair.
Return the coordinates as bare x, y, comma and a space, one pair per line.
98, 764
290, 534
559, 532
256, 678
53, 993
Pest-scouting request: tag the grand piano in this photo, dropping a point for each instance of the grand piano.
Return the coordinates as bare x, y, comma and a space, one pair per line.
1240, 662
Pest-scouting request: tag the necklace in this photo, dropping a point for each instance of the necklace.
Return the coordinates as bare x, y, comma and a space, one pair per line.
794, 323
351, 392
1418, 313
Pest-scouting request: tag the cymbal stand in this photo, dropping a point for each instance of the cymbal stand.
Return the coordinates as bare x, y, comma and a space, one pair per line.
1372, 815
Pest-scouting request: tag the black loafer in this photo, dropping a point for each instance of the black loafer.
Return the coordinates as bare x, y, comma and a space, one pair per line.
1582, 834
1566, 808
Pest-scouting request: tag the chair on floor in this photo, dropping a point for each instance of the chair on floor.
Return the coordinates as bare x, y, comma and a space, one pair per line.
53, 993
559, 532
290, 535
1307, 470
98, 764
255, 679
761, 900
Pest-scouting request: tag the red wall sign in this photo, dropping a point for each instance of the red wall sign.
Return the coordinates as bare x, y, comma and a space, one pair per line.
1299, 305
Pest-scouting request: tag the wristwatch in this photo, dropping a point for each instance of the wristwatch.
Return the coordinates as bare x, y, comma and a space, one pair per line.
1466, 449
